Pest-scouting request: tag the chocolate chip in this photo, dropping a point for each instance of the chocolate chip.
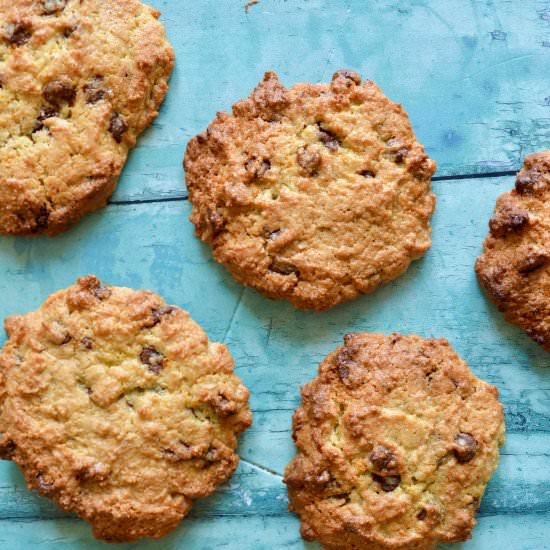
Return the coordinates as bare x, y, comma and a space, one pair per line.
157, 314
52, 7
118, 126
346, 368
45, 488
283, 269
328, 139
344, 362
526, 181
343, 372
465, 447
41, 220
397, 150
223, 406
388, 483
68, 31
42, 116
66, 339
422, 514
511, 220
309, 160
19, 33
7, 450
533, 262
152, 358
270, 234
97, 472
257, 167
101, 292
94, 90
58, 92
367, 174
264, 167
383, 459
348, 75
86, 343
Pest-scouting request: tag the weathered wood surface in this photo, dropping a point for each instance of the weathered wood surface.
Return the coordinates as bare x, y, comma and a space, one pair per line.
473, 76
471, 73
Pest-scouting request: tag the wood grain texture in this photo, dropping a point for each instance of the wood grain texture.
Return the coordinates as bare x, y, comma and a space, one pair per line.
472, 75
277, 349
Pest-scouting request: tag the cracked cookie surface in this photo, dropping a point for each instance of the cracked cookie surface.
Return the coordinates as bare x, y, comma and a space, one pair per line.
514, 268
396, 442
79, 81
117, 407
315, 194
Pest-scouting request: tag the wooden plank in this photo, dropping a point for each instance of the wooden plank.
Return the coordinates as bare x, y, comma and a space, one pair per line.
277, 349
468, 73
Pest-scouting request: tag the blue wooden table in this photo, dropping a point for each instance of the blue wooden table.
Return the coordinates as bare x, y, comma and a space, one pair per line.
474, 76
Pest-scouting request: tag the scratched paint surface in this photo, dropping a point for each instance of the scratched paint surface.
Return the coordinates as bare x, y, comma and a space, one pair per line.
472, 75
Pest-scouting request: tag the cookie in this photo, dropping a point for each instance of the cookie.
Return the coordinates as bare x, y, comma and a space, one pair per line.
117, 407
514, 268
315, 194
79, 81
396, 441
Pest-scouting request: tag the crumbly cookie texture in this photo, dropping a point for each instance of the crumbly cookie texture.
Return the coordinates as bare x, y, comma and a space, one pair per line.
79, 81
396, 441
514, 268
316, 194
117, 407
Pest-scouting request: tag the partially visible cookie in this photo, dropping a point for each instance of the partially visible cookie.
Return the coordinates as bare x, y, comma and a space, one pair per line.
315, 194
396, 441
117, 407
514, 268
79, 81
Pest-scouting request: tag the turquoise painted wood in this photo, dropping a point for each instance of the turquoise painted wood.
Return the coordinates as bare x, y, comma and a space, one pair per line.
473, 75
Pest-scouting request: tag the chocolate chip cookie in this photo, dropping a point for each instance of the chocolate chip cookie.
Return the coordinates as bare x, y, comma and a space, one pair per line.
79, 81
116, 406
316, 194
514, 268
396, 441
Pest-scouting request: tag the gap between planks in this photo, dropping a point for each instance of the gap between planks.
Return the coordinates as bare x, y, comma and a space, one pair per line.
181, 198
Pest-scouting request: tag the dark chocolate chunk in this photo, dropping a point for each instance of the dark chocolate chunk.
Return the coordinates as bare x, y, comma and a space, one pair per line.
510, 220
383, 459
152, 358
19, 33
42, 116
397, 150
86, 343
526, 181
367, 174
465, 447
533, 261
157, 314
257, 167
422, 514
328, 139
58, 92
388, 483
283, 269
118, 126
94, 90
